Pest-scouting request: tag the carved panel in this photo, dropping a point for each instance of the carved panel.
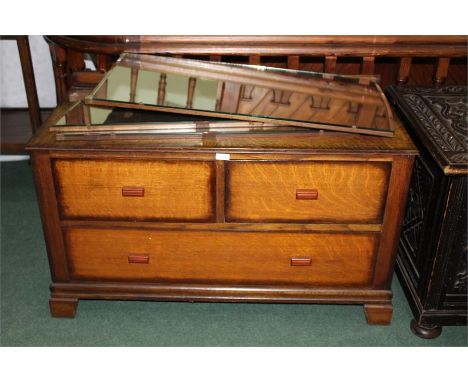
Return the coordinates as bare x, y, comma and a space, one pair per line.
442, 114
414, 223
453, 110
460, 282
458, 279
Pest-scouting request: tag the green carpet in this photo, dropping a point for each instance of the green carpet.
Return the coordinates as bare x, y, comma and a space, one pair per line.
25, 318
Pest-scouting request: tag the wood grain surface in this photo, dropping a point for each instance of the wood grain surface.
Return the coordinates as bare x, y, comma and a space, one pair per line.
266, 191
309, 142
168, 239
173, 190
269, 45
378, 314
207, 257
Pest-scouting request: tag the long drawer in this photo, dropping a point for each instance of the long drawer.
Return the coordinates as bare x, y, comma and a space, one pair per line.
316, 191
136, 190
328, 259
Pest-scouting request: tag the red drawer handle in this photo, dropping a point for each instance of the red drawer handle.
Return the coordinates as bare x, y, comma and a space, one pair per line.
133, 191
311, 194
138, 259
301, 261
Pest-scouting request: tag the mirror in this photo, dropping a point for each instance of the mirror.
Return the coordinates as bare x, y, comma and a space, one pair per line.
242, 92
112, 123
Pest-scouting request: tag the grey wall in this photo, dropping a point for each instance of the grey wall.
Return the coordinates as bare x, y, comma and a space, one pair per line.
12, 92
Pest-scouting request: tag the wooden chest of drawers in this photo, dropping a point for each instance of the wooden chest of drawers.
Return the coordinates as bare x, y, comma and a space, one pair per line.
297, 218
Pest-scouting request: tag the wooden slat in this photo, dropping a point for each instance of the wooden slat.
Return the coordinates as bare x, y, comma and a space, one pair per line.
330, 64
293, 62
103, 63
75, 62
215, 58
59, 59
441, 70
254, 59
368, 65
87, 77
350, 46
229, 227
29, 82
404, 70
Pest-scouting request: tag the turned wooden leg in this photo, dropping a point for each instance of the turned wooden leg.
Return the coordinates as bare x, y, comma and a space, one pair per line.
427, 331
63, 307
378, 314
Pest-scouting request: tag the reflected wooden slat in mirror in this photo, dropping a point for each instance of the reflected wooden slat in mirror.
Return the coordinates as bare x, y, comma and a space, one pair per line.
191, 91
162, 89
133, 83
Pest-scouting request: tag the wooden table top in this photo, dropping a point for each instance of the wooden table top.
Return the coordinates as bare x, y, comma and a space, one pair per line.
296, 143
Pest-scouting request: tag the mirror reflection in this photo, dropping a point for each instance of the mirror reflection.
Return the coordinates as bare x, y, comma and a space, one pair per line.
318, 100
114, 123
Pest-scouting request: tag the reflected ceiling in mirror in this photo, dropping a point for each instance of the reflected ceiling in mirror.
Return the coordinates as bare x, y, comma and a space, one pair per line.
242, 92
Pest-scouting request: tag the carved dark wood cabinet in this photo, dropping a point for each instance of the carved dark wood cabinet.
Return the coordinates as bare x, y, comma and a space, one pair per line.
432, 254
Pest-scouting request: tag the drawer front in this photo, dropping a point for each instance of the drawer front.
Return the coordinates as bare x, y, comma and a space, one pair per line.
322, 259
322, 191
136, 190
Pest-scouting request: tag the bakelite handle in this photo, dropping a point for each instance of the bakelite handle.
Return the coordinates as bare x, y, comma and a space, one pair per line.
133, 191
309, 194
301, 261
138, 259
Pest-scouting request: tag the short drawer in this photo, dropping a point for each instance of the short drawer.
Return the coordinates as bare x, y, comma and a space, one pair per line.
318, 191
323, 259
136, 190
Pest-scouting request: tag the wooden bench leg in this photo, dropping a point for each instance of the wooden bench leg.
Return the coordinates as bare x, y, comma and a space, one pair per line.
63, 307
378, 314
